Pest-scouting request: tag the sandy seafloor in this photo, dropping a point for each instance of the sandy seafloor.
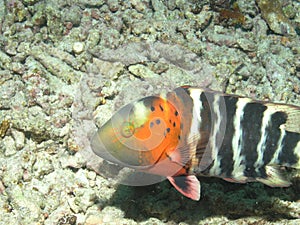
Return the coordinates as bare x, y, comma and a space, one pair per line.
68, 65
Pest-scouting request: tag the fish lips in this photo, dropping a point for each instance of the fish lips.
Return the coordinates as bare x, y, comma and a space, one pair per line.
102, 150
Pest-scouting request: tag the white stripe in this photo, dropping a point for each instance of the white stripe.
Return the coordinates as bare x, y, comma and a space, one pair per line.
194, 135
238, 169
216, 169
195, 94
261, 146
274, 159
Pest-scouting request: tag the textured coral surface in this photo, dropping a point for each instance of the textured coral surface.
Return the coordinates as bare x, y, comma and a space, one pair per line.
66, 66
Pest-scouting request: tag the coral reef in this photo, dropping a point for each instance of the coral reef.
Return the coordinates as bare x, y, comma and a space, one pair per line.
66, 66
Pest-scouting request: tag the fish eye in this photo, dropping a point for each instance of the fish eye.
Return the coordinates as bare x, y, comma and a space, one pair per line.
127, 129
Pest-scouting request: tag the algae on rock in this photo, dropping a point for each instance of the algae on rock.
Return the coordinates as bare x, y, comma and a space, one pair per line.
273, 14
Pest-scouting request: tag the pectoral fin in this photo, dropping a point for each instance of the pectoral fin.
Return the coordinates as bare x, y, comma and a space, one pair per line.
189, 186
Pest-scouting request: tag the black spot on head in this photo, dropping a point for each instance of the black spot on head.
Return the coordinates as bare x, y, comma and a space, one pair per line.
176, 113
157, 121
170, 121
178, 137
167, 131
174, 124
161, 108
152, 108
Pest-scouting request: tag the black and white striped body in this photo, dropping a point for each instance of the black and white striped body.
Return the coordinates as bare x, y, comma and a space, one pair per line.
240, 138
193, 131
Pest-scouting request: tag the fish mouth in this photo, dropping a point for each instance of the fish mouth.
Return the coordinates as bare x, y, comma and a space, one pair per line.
102, 150
135, 177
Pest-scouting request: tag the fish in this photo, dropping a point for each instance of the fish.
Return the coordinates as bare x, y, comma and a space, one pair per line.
194, 132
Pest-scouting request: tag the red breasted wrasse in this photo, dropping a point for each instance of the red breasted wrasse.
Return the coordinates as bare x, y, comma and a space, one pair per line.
193, 132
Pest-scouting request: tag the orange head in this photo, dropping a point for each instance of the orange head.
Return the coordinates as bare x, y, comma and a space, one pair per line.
143, 135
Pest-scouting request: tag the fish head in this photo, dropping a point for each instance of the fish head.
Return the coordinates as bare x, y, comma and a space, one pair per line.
143, 135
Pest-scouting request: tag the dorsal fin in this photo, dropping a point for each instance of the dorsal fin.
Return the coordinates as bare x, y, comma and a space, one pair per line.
293, 121
292, 112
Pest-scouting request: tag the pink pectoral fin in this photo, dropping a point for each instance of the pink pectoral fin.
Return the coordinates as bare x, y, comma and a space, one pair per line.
189, 186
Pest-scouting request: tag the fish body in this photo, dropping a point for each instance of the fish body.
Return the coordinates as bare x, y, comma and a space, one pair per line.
193, 132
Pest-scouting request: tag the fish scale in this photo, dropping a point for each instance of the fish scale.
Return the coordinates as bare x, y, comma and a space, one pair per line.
199, 132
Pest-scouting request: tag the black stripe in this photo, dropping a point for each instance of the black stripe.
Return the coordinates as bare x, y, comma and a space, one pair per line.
206, 171
287, 156
225, 151
273, 134
208, 116
182, 92
205, 114
251, 127
205, 131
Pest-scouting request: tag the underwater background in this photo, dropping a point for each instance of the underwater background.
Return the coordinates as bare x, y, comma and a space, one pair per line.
67, 65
